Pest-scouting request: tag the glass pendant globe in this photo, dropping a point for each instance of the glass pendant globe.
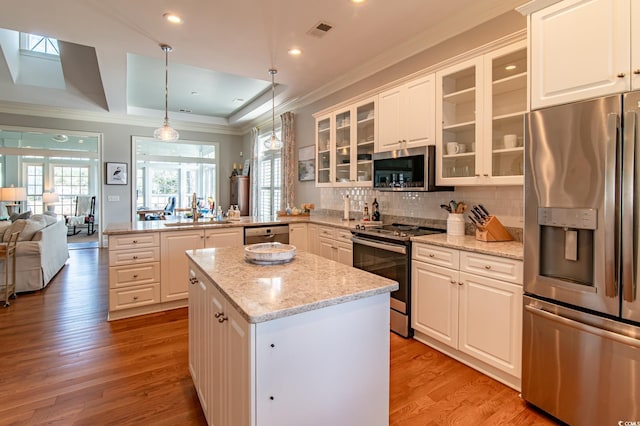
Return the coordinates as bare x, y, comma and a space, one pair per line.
273, 142
166, 133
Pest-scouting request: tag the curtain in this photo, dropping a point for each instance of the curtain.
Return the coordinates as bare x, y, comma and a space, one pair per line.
288, 160
253, 172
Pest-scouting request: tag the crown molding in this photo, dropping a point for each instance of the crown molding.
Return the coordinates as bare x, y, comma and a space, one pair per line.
17, 108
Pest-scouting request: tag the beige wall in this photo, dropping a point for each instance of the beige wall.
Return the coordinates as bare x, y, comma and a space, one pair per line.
488, 32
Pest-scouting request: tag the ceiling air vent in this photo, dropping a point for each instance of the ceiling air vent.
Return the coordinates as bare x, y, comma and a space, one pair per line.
320, 29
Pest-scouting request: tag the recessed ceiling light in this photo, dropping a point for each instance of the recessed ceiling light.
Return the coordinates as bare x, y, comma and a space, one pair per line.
510, 67
294, 51
357, 1
80, 140
172, 17
60, 138
195, 93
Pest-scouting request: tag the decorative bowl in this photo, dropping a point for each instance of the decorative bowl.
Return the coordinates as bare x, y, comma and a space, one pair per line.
269, 253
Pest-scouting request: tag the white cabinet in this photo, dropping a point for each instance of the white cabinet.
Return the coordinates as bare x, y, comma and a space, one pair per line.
345, 141
469, 305
134, 272
313, 235
174, 263
406, 116
480, 119
298, 236
335, 244
223, 237
582, 49
219, 354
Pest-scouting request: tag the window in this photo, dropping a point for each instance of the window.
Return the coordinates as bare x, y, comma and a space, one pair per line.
38, 44
70, 181
269, 178
178, 169
35, 183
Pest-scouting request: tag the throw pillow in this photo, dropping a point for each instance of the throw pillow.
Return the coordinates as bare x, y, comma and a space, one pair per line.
16, 216
49, 220
30, 228
17, 226
52, 214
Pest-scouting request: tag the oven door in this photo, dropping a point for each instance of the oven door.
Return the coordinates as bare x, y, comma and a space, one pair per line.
386, 260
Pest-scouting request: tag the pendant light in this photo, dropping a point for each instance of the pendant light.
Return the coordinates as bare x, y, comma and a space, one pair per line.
166, 133
273, 142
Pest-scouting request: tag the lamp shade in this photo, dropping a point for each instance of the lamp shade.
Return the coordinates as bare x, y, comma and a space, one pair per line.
50, 198
13, 194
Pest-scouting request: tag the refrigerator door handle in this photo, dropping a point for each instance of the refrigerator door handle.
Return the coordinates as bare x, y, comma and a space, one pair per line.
611, 266
629, 284
601, 332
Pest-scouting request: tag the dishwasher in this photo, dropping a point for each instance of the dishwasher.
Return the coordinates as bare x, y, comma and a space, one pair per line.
267, 234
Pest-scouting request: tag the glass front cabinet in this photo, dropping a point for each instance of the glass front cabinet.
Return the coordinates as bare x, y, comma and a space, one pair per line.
344, 146
480, 111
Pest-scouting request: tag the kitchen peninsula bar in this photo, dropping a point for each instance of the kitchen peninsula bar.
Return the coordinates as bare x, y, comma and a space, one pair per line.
305, 342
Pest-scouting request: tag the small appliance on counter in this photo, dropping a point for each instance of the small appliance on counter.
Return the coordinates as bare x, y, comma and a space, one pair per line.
488, 227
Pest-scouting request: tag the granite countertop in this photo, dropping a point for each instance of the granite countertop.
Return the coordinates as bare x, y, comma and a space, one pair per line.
509, 249
266, 292
245, 221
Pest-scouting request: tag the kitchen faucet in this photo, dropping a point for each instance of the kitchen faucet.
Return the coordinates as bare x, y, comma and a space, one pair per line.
194, 208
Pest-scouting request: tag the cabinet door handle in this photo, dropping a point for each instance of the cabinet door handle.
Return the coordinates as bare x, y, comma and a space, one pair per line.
135, 297
135, 241
193, 280
636, 71
460, 283
621, 75
487, 266
486, 175
135, 257
452, 281
477, 175
222, 319
432, 255
135, 275
218, 314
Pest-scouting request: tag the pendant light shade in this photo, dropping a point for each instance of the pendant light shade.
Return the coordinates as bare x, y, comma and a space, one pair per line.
166, 133
273, 142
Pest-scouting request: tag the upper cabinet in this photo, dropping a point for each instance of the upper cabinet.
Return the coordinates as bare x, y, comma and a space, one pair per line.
345, 141
582, 49
480, 111
406, 116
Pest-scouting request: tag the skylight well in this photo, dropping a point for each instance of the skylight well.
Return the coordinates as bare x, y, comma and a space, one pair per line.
42, 45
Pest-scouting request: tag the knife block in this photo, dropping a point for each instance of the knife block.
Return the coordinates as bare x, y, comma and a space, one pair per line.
493, 230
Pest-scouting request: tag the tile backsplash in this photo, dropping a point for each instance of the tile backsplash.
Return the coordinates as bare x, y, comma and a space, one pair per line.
506, 203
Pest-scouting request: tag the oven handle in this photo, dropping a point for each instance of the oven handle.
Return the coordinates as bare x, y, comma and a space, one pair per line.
380, 245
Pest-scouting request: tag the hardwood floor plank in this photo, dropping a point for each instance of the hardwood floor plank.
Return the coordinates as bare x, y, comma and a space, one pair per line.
63, 363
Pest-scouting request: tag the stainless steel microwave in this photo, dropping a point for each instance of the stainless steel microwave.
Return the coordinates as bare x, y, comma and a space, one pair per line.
411, 169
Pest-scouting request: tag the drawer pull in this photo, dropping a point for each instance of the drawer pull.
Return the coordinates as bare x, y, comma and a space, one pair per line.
135, 275
222, 319
134, 257
487, 266
193, 280
432, 255
135, 241
135, 297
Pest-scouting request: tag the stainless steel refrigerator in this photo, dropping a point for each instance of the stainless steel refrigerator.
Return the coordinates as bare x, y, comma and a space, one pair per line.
581, 325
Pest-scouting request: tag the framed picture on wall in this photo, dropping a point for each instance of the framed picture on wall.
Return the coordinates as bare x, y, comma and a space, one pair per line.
306, 163
116, 173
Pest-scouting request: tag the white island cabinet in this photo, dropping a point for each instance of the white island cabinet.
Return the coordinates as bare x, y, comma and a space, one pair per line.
302, 343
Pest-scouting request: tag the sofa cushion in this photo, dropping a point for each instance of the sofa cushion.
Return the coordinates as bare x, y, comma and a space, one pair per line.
26, 227
50, 220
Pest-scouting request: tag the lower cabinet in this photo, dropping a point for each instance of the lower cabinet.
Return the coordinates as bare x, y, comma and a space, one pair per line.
223, 237
313, 233
469, 305
335, 244
298, 236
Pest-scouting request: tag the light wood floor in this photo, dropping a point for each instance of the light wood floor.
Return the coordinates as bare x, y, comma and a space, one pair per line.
62, 363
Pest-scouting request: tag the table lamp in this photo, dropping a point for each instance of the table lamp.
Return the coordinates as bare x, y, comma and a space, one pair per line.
49, 199
13, 195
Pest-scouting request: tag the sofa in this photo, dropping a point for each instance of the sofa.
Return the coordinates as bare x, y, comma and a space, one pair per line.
41, 250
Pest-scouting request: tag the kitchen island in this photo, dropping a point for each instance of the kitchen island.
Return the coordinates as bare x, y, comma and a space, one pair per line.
305, 342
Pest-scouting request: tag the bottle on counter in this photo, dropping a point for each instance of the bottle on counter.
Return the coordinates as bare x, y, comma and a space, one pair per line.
365, 213
375, 215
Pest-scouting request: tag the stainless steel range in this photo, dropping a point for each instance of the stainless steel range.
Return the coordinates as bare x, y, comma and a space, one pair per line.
386, 251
